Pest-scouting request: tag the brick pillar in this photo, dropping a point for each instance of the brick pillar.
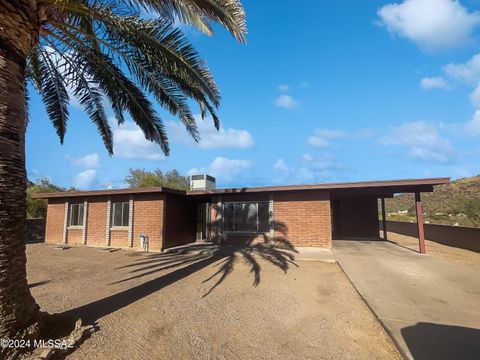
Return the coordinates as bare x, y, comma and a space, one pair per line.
65, 223
109, 218
84, 223
130, 220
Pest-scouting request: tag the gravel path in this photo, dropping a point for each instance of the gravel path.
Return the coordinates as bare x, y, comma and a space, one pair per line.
165, 306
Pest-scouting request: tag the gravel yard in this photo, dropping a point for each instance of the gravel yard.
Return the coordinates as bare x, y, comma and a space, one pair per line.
206, 304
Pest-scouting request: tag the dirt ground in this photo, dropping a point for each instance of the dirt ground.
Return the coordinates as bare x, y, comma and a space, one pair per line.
467, 258
166, 306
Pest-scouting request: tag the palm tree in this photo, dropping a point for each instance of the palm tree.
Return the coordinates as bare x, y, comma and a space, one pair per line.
96, 50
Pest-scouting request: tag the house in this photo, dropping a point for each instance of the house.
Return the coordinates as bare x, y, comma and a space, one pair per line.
303, 215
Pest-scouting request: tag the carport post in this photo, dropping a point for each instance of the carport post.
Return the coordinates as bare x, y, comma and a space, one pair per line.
421, 236
384, 220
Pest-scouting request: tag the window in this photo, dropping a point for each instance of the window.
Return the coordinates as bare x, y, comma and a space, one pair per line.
120, 213
76, 214
249, 217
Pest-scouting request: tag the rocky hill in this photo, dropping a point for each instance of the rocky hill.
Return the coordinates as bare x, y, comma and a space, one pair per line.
447, 204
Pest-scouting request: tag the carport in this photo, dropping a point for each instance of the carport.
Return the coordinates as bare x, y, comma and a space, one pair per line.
355, 209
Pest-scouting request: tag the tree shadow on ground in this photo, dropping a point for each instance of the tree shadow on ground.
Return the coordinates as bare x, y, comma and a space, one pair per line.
438, 341
187, 260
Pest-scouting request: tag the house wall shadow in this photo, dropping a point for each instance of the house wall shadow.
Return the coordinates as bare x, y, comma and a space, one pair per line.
442, 342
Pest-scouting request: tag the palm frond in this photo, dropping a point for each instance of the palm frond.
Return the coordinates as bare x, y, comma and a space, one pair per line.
124, 95
107, 49
53, 92
229, 13
87, 93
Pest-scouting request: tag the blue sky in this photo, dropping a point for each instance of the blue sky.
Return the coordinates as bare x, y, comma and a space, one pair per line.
322, 92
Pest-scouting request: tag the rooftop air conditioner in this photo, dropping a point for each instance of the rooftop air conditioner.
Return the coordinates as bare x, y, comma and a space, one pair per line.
202, 182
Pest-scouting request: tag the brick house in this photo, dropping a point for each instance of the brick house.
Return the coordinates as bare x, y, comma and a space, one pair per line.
303, 215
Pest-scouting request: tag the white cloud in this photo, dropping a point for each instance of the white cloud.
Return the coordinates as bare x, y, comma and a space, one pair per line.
468, 72
473, 126
321, 137
286, 102
129, 142
90, 161
317, 168
283, 87
309, 169
422, 141
225, 169
210, 138
85, 179
431, 24
475, 97
281, 167
436, 82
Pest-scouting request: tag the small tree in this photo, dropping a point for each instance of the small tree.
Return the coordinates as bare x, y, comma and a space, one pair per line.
141, 178
37, 208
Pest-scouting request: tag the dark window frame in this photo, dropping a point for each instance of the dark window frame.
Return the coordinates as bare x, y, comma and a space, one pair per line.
78, 221
125, 214
261, 227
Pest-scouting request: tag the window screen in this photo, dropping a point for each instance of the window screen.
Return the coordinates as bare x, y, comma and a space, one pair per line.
76, 214
120, 213
246, 216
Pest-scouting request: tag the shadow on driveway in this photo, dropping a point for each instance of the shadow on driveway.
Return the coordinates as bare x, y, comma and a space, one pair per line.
436, 341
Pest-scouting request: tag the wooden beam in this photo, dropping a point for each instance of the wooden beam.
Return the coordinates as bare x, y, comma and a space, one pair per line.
384, 219
421, 234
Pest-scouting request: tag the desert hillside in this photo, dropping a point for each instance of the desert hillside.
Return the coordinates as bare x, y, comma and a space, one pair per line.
457, 203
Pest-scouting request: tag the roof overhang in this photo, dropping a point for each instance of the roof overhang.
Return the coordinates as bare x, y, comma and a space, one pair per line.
68, 194
380, 188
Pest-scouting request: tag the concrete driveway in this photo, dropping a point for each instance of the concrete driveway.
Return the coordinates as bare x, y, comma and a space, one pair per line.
430, 306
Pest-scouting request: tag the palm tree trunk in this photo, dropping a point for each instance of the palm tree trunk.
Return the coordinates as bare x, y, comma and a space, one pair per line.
18, 310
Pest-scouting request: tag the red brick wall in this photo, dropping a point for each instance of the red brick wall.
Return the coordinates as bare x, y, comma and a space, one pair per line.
119, 238
96, 221
148, 219
55, 219
74, 236
303, 218
180, 221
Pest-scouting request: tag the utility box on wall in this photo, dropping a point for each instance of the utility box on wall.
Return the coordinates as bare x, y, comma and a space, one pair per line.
202, 182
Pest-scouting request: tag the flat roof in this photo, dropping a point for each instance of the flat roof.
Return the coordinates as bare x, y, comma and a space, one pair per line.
387, 186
